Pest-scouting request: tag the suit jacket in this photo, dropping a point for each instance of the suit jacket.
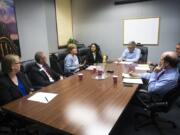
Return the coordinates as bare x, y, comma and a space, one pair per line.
90, 58
39, 77
9, 91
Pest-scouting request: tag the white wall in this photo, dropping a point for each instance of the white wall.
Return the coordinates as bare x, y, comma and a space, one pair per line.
100, 21
36, 27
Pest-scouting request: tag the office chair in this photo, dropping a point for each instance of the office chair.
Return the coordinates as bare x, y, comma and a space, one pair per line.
82, 52
25, 68
144, 53
11, 125
55, 65
154, 107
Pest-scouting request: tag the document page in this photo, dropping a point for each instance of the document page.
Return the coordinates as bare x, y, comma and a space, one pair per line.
144, 67
130, 80
42, 97
128, 76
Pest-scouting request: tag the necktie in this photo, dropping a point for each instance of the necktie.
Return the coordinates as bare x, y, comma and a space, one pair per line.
48, 74
45, 68
160, 74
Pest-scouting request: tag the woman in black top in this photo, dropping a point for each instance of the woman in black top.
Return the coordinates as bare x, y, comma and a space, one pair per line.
94, 55
13, 83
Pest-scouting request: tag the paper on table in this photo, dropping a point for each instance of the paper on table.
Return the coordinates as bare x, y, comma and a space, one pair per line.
42, 97
90, 68
125, 62
142, 67
130, 80
128, 76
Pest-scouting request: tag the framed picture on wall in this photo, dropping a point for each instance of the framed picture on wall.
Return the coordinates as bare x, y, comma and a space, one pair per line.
9, 39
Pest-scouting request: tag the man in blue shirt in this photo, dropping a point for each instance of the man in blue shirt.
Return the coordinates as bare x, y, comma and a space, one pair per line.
131, 54
164, 77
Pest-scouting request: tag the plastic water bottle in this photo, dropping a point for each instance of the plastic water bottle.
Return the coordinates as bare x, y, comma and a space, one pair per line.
104, 58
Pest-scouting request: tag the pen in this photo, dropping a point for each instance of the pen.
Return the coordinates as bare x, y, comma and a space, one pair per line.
46, 99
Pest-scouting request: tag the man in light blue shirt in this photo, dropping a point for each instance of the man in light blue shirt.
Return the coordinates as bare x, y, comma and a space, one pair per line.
131, 54
164, 77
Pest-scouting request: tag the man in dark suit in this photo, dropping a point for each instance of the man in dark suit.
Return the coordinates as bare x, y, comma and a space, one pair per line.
41, 73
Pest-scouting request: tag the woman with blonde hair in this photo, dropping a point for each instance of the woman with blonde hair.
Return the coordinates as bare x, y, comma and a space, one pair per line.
71, 62
13, 83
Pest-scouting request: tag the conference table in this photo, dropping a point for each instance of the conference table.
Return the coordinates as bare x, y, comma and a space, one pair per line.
81, 107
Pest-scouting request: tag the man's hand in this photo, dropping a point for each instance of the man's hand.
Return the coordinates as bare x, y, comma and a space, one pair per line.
158, 69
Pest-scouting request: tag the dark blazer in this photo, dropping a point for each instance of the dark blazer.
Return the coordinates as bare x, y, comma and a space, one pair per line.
90, 59
39, 77
9, 91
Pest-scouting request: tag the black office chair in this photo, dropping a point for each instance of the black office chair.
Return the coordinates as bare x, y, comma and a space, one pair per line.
144, 53
55, 65
25, 68
82, 54
12, 125
156, 106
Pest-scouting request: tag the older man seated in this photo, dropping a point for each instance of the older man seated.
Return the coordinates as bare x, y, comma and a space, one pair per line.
131, 53
164, 77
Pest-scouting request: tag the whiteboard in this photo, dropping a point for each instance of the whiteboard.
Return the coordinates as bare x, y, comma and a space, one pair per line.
144, 31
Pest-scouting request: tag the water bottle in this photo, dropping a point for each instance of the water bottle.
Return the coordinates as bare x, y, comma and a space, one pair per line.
104, 58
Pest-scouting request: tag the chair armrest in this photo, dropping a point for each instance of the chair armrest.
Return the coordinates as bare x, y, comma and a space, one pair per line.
158, 106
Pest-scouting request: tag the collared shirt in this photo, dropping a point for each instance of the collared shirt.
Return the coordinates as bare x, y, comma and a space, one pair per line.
131, 57
161, 83
71, 63
43, 69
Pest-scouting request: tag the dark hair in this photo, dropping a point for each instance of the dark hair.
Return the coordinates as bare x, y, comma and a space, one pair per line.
98, 50
172, 61
178, 43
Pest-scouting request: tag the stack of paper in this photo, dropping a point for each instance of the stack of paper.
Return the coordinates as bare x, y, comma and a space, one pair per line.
129, 76
144, 67
130, 80
42, 97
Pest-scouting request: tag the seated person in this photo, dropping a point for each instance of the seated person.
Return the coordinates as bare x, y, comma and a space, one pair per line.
41, 73
71, 62
178, 55
13, 83
94, 55
131, 54
164, 77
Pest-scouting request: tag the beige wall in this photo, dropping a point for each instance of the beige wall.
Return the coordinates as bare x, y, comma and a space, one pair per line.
64, 21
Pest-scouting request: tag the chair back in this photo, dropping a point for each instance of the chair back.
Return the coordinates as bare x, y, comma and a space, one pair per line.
7, 47
144, 54
26, 68
55, 64
171, 96
82, 54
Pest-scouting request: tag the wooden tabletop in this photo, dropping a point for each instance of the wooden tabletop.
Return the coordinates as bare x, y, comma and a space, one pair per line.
82, 107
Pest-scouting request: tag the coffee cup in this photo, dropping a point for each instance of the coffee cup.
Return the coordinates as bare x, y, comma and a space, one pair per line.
80, 75
115, 77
